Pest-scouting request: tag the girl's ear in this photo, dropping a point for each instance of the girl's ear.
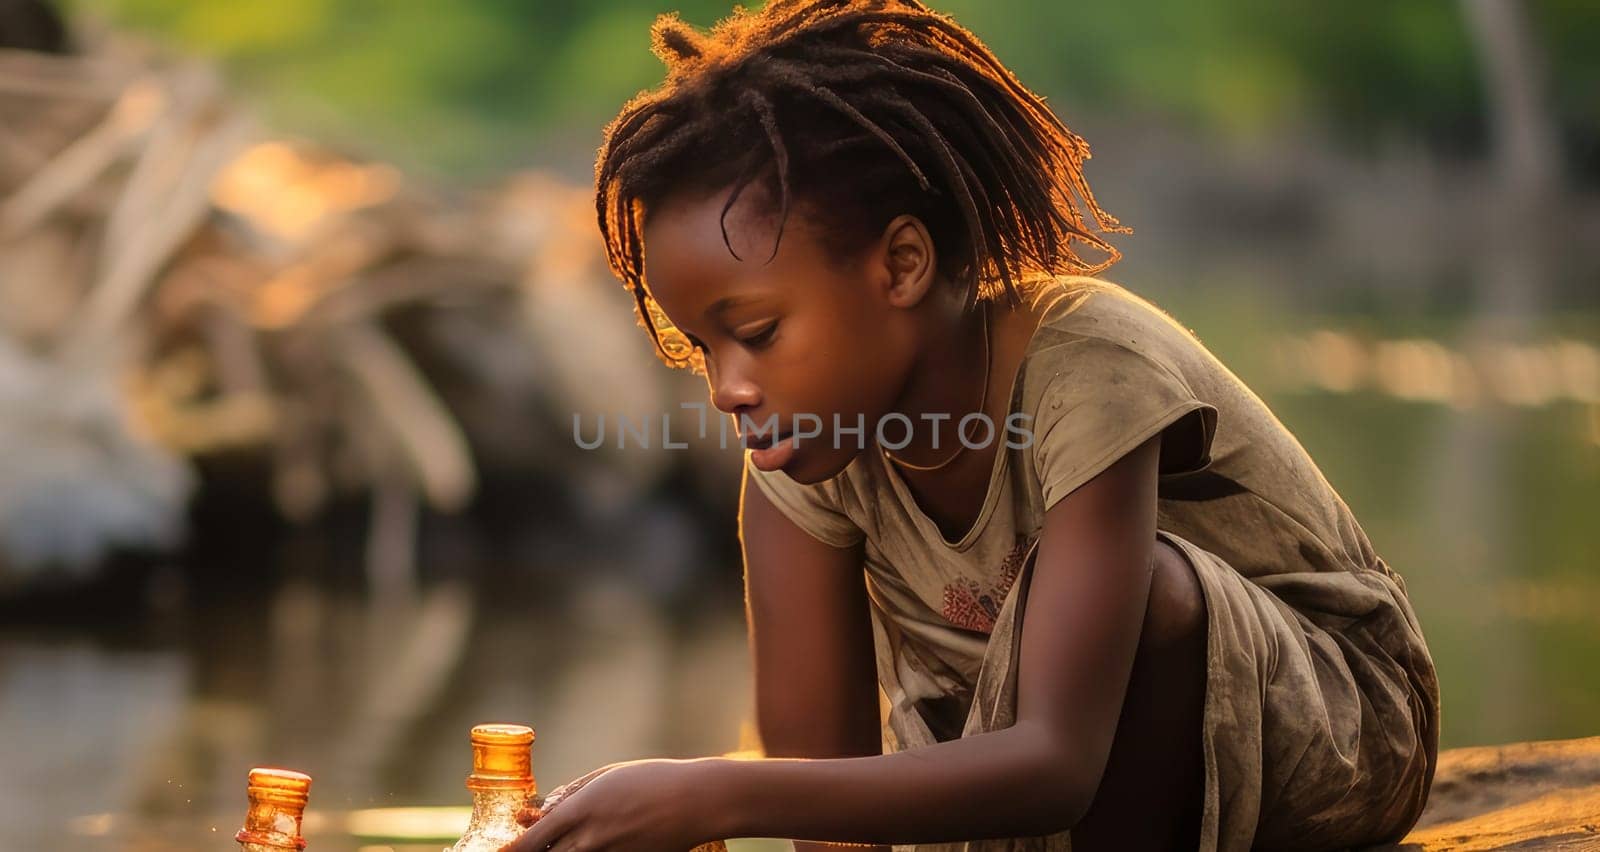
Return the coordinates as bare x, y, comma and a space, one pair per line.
909, 259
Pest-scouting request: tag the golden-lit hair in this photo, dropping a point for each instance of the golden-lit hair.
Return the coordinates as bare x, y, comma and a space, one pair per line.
862, 110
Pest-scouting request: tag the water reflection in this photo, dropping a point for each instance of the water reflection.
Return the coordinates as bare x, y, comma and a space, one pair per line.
111, 748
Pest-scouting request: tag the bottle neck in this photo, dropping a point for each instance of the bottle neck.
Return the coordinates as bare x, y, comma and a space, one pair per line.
271, 827
497, 807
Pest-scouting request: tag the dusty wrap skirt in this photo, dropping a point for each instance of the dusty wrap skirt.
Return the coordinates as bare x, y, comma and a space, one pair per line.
1321, 709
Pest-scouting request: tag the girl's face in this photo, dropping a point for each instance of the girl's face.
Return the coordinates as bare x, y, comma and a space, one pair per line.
801, 338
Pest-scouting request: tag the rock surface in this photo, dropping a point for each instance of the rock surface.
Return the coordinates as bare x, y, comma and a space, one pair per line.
1542, 795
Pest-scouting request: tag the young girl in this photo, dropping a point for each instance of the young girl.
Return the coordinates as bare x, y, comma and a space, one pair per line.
1109, 600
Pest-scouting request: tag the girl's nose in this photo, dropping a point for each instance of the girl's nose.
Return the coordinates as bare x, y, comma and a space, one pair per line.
731, 392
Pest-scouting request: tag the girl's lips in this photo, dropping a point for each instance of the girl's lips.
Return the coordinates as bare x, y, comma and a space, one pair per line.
776, 456
756, 442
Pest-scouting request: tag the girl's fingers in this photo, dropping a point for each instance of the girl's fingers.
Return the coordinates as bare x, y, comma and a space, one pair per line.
548, 822
551, 798
565, 790
529, 814
545, 832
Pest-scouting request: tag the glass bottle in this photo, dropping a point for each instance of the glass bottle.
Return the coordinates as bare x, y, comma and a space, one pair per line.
277, 804
501, 784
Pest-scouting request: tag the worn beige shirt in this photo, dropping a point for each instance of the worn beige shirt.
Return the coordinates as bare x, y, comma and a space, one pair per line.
1321, 707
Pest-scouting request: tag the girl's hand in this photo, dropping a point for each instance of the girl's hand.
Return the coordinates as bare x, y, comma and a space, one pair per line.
640, 806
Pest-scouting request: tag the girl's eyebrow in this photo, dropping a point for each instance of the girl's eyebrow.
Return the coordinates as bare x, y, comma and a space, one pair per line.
723, 304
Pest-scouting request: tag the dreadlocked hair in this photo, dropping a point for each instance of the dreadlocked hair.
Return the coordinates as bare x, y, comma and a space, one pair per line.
861, 110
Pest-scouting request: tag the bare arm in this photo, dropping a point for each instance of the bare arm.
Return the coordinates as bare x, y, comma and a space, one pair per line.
811, 639
1085, 606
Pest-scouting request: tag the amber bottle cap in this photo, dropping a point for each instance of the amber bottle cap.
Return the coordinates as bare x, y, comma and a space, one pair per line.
501, 757
283, 787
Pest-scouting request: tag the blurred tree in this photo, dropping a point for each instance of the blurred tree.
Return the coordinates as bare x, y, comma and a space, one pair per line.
32, 25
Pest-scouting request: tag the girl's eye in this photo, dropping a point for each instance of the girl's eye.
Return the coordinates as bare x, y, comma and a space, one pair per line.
762, 337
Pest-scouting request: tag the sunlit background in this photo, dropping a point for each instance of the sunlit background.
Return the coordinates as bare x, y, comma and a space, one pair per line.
298, 298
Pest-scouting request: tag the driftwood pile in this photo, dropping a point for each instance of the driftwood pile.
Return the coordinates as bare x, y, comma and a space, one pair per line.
174, 283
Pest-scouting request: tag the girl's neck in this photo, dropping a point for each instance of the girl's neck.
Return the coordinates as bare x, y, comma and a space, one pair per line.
949, 382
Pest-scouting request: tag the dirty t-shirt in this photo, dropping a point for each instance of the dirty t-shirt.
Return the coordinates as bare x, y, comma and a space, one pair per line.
1104, 371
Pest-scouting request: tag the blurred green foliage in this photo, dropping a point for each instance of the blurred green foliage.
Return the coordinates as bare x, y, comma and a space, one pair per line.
477, 85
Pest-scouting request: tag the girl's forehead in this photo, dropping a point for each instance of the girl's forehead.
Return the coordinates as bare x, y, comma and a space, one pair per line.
687, 263
694, 227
